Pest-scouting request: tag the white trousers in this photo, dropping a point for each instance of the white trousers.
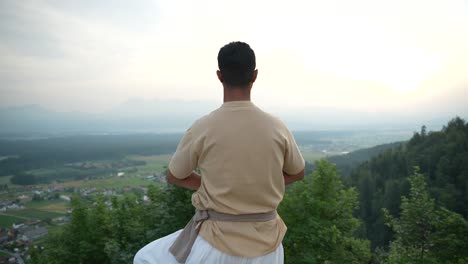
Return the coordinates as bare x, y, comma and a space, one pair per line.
157, 252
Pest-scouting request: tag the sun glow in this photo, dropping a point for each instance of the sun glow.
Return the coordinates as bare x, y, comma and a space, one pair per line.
409, 75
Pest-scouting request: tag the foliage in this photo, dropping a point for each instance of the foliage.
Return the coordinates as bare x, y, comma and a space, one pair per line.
348, 162
99, 233
425, 233
442, 156
113, 232
319, 215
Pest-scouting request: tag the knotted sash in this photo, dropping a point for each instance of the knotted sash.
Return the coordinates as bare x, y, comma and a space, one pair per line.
183, 244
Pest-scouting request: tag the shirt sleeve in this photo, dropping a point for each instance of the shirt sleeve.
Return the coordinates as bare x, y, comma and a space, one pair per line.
293, 160
184, 160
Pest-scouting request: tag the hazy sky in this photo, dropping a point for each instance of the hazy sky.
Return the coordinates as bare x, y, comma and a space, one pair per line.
372, 55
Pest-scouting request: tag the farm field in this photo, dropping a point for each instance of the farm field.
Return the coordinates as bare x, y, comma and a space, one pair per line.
154, 163
313, 156
34, 213
7, 220
34, 210
55, 206
113, 182
135, 175
6, 180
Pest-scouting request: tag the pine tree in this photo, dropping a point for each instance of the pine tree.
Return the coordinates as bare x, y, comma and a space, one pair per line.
319, 215
425, 233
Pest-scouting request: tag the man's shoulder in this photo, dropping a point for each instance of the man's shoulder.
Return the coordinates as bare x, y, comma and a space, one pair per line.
275, 120
204, 120
217, 114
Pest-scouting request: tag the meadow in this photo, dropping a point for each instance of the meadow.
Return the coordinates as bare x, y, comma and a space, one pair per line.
34, 210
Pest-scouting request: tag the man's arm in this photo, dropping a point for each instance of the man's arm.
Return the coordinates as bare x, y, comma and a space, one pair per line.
293, 160
288, 179
192, 182
183, 162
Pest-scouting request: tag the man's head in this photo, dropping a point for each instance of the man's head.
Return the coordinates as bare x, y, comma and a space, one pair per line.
236, 62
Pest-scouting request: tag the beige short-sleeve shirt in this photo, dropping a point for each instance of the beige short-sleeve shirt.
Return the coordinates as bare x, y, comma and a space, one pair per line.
241, 152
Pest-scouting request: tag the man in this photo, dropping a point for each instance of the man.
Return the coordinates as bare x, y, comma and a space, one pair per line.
246, 157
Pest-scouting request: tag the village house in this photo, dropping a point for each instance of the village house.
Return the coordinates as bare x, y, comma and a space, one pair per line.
108, 192
23, 197
17, 225
3, 237
65, 197
32, 233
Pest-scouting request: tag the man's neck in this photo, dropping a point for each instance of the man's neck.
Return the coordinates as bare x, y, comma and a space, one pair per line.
236, 94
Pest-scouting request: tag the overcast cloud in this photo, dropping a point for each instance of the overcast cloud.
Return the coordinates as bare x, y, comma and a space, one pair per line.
93, 56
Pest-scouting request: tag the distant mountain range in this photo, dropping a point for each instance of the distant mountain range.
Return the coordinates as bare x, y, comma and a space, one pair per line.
131, 117
136, 116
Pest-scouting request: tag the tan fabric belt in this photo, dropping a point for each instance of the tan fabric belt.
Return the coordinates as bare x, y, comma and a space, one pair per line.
183, 245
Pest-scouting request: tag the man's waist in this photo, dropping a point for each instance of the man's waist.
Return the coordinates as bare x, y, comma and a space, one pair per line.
183, 244
225, 217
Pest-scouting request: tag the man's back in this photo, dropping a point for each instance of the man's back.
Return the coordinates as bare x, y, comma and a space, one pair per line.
241, 152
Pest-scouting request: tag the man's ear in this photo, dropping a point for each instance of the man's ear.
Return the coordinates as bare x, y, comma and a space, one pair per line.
254, 75
220, 77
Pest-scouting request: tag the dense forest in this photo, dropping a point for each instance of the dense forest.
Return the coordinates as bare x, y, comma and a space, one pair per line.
347, 163
441, 156
45, 153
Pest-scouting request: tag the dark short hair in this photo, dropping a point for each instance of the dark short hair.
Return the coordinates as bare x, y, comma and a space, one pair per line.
236, 61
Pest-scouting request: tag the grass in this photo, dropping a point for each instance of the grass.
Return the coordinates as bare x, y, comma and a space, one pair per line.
313, 156
60, 208
151, 159
154, 163
7, 220
35, 209
151, 168
115, 182
6, 180
34, 213
56, 206
108, 183
54, 228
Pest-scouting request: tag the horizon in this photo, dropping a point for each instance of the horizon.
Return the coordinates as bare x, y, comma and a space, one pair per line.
401, 58
140, 116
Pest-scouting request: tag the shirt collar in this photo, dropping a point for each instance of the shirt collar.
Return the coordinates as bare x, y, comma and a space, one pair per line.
237, 104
